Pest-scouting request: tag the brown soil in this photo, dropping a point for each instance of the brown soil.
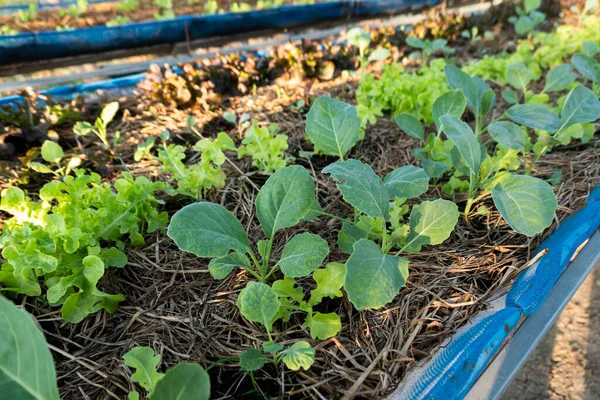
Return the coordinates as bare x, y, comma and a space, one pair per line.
100, 14
175, 306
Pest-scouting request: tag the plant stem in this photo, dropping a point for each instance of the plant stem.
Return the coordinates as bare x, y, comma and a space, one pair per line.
470, 203
271, 272
535, 158
257, 264
384, 240
265, 266
477, 126
333, 216
468, 206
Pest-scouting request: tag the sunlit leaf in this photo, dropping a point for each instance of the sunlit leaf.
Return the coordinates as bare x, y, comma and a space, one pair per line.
373, 278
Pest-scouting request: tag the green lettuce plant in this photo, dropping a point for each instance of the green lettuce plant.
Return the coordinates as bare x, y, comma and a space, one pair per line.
28, 15
183, 380
209, 230
196, 179
166, 7
75, 10
66, 241
400, 92
128, 6
373, 275
265, 147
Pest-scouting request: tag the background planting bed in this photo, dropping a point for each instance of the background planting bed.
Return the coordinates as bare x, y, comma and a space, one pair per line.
44, 5
34, 46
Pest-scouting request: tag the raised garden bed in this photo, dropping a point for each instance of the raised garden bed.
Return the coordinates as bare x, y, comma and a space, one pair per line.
356, 341
83, 15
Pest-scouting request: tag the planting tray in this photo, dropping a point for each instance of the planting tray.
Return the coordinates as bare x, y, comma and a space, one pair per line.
463, 368
34, 46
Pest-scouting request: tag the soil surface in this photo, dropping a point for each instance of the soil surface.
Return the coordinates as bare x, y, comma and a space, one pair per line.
566, 365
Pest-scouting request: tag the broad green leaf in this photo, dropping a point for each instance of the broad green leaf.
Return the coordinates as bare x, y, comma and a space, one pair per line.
531, 5
299, 355
303, 254
510, 96
41, 168
230, 117
581, 105
415, 42
464, 140
373, 278
286, 287
258, 303
434, 169
285, 199
589, 48
526, 203
220, 267
559, 78
81, 304
207, 230
524, 25
323, 326
108, 113
379, 54
333, 126
507, 134
361, 187
52, 152
518, 75
431, 222
270, 347
133, 396
410, 125
458, 79
252, 360
407, 182
329, 282
536, 117
488, 100
587, 66
145, 363
82, 128
26, 365
183, 381
348, 235
450, 103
